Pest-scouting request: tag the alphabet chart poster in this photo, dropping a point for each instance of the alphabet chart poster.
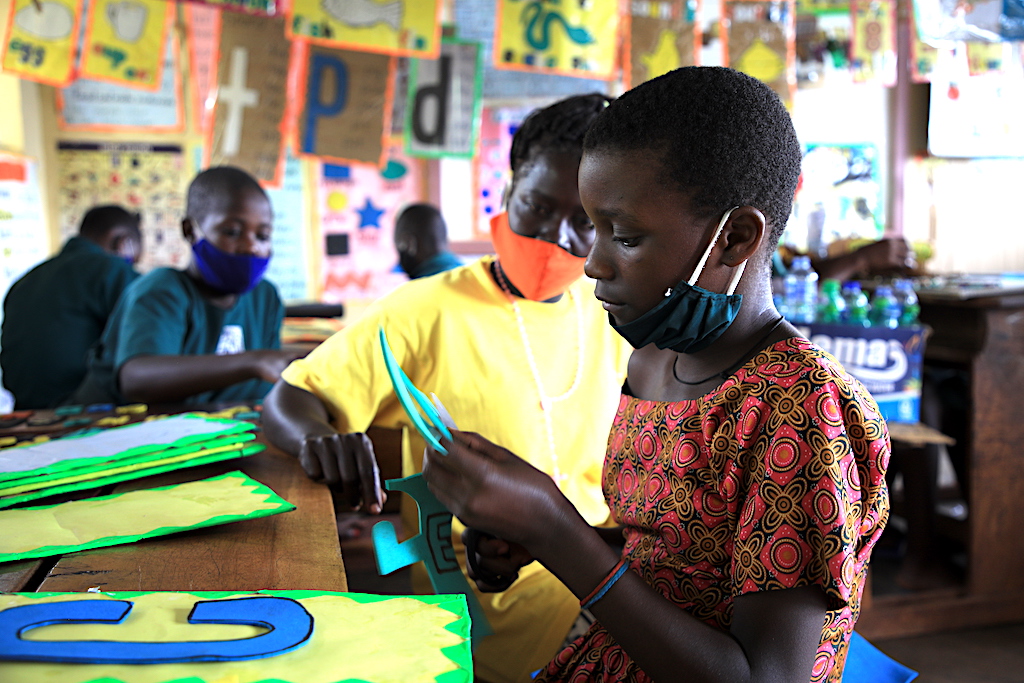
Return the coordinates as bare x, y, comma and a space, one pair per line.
357, 205
571, 38
41, 40
22, 243
398, 27
442, 112
662, 36
150, 179
251, 97
216, 637
492, 172
346, 114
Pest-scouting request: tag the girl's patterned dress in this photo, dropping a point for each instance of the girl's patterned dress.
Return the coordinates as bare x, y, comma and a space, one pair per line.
774, 480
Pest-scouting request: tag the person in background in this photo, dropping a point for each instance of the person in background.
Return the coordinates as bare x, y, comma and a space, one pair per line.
421, 240
210, 332
887, 256
513, 346
746, 465
57, 311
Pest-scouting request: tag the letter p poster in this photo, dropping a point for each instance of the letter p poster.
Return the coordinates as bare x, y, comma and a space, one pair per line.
569, 38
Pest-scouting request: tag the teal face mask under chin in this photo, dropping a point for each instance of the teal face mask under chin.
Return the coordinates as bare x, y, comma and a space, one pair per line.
690, 318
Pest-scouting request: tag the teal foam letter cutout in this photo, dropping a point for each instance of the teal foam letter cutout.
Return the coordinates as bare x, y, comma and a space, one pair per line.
432, 546
290, 627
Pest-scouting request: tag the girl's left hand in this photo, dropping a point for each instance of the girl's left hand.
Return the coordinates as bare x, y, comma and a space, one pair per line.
491, 489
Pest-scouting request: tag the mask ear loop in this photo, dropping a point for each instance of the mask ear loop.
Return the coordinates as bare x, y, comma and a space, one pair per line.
707, 253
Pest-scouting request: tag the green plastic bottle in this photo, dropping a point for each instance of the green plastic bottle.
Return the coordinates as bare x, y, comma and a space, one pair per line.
831, 306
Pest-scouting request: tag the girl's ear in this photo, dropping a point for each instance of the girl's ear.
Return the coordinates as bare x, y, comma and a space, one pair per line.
188, 230
742, 235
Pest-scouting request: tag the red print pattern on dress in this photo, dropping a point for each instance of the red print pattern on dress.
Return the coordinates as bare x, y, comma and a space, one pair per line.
772, 481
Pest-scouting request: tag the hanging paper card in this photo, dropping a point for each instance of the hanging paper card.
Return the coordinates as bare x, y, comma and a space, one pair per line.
41, 40
941, 21
923, 57
398, 27
110, 107
262, 8
873, 49
347, 110
129, 517
214, 637
984, 58
759, 41
357, 205
124, 41
442, 115
575, 39
252, 74
147, 178
203, 26
662, 36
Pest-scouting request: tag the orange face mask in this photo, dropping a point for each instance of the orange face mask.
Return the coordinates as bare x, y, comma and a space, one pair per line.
539, 270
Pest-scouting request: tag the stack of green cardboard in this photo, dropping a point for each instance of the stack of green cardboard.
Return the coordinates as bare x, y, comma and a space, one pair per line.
74, 463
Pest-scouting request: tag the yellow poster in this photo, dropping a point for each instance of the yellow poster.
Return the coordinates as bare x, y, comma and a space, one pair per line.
41, 39
124, 41
873, 49
398, 27
572, 38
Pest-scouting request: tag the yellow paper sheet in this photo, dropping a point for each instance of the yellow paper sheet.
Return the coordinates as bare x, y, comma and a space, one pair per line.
41, 39
124, 518
391, 639
400, 27
125, 41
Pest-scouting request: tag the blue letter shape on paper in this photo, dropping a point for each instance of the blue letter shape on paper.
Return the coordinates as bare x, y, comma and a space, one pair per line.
315, 108
432, 546
290, 627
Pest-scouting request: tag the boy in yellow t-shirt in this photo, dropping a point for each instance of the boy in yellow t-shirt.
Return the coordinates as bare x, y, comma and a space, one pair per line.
514, 346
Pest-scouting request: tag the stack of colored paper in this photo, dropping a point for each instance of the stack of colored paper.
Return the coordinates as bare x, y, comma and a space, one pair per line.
114, 455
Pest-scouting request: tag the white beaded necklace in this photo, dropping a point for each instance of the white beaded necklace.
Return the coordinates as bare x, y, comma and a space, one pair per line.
546, 402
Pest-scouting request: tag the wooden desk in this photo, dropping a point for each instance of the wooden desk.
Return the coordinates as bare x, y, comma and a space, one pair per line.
985, 336
291, 551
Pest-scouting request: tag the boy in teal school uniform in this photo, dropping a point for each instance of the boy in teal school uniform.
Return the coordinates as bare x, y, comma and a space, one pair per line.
57, 311
208, 333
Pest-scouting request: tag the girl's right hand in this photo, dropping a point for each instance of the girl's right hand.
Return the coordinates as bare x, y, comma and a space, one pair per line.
494, 563
491, 489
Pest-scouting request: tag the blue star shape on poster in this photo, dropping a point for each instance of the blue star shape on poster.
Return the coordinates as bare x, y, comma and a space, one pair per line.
369, 215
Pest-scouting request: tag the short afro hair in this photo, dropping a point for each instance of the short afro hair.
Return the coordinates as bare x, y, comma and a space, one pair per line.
214, 189
100, 220
559, 127
721, 135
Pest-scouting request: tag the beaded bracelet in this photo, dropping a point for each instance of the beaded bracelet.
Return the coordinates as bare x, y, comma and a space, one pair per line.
617, 571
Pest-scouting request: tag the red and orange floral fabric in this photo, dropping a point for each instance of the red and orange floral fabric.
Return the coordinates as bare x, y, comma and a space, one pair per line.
774, 480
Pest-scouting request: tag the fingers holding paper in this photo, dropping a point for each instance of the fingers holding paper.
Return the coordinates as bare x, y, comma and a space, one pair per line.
347, 463
491, 489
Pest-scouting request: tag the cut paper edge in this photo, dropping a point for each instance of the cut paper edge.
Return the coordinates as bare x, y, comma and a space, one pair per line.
460, 655
256, 488
231, 426
153, 468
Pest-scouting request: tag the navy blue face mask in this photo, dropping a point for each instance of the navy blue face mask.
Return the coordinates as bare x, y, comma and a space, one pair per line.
690, 318
229, 273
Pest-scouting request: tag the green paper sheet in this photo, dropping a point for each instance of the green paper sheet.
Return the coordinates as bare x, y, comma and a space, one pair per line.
128, 517
96, 480
356, 637
113, 444
92, 469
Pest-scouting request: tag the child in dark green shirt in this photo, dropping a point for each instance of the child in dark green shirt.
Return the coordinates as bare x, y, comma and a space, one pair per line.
210, 332
58, 310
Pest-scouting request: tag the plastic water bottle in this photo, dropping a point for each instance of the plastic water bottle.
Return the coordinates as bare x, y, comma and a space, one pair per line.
905, 295
831, 305
801, 291
885, 309
857, 305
